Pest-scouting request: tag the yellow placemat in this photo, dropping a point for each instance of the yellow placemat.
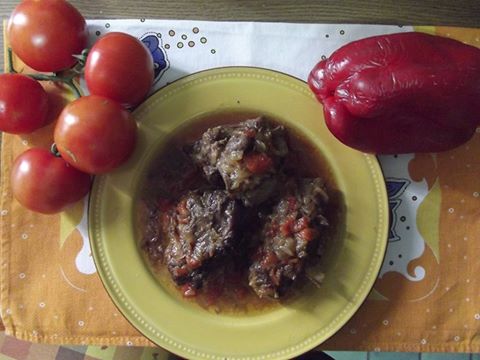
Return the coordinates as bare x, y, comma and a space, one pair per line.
434, 305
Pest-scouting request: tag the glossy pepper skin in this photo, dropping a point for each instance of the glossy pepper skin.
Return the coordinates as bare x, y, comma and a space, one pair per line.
400, 93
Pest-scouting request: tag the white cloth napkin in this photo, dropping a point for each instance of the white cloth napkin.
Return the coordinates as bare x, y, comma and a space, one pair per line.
181, 48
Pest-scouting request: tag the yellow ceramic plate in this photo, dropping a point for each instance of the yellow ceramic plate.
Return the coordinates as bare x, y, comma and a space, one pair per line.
190, 331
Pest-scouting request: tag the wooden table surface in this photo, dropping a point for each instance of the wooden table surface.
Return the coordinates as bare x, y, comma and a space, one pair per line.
399, 12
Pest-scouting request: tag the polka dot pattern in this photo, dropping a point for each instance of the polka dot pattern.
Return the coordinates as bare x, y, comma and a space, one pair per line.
183, 41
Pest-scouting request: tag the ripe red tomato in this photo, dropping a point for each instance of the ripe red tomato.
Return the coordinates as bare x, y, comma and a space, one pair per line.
119, 67
95, 134
46, 33
23, 104
45, 183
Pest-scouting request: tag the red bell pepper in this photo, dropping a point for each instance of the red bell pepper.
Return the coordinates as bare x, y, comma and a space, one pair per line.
400, 93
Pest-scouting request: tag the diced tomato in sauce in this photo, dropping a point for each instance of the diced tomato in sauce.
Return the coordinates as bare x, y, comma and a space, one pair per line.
292, 203
307, 234
286, 228
188, 290
269, 260
250, 133
258, 163
181, 271
193, 263
183, 220
183, 213
165, 220
182, 208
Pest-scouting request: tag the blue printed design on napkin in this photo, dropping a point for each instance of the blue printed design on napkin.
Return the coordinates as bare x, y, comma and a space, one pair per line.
160, 61
395, 189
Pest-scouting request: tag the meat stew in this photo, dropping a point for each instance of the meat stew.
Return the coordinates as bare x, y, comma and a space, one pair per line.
233, 209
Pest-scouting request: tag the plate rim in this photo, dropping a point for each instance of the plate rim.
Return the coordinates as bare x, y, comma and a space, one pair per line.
283, 352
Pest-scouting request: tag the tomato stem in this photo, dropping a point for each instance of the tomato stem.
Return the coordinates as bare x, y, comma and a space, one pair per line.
75, 90
82, 58
67, 80
54, 150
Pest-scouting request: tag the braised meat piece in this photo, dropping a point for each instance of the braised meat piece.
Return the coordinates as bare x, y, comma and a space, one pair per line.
173, 173
201, 232
291, 232
152, 238
245, 158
